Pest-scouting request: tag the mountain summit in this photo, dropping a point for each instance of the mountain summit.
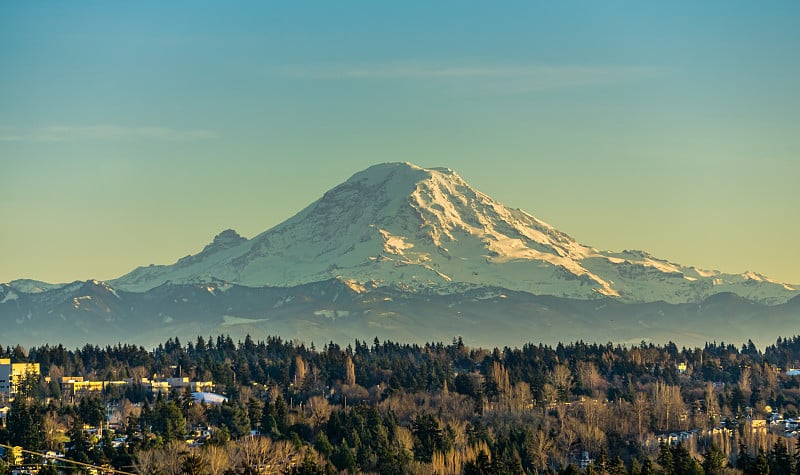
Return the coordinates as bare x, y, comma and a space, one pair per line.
426, 230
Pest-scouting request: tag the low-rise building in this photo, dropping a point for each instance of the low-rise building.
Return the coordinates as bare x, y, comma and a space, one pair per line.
194, 386
78, 385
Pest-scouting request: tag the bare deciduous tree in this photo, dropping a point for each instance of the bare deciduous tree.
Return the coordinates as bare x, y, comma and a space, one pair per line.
590, 377
350, 372
641, 408
549, 394
668, 406
217, 459
745, 383
145, 462
256, 453
712, 407
561, 378
50, 430
500, 377
319, 410
299, 370
539, 448
404, 439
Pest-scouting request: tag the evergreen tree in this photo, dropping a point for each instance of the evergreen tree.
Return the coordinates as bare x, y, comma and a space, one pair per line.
761, 465
234, 417
24, 424
168, 421
323, 445
481, 466
343, 458
281, 412
617, 467
684, 463
744, 461
193, 464
91, 411
428, 437
308, 467
713, 461
270, 427
647, 467
81, 446
665, 459
780, 462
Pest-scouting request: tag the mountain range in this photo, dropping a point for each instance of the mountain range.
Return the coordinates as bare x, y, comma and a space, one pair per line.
402, 252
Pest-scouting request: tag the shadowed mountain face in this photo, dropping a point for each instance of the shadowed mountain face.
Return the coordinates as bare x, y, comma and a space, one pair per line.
406, 253
335, 310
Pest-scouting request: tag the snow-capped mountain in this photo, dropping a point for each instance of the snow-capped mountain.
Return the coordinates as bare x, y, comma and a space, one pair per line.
406, 253
428, 231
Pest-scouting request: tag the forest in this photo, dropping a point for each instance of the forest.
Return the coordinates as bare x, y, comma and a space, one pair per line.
395, 408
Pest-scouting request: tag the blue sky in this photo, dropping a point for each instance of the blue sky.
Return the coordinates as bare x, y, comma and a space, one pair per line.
132, 133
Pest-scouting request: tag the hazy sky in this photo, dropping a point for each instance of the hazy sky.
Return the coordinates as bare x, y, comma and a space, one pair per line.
133, 132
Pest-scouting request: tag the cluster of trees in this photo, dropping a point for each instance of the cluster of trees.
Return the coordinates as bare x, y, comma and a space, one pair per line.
435, 408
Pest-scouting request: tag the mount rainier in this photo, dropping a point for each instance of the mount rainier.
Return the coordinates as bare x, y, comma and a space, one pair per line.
403, 251
427, 230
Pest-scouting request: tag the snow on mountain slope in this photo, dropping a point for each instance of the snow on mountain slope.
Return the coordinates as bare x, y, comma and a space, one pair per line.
427, 230
204, 266
29, 286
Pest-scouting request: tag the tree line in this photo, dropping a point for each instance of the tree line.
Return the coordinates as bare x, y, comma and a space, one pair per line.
390, 407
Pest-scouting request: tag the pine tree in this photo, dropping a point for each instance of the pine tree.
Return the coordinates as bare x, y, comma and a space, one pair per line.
168, 421
761, 465
744, 461
647, 467
193, 464
281, 413
343, 458
481, 466
684, 463
308, 467
617, 467
780, 462
665, 459
428, 437
323, 445
24, 424
713, 461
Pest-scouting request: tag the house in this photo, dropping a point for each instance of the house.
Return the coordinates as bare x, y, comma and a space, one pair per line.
585, 461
